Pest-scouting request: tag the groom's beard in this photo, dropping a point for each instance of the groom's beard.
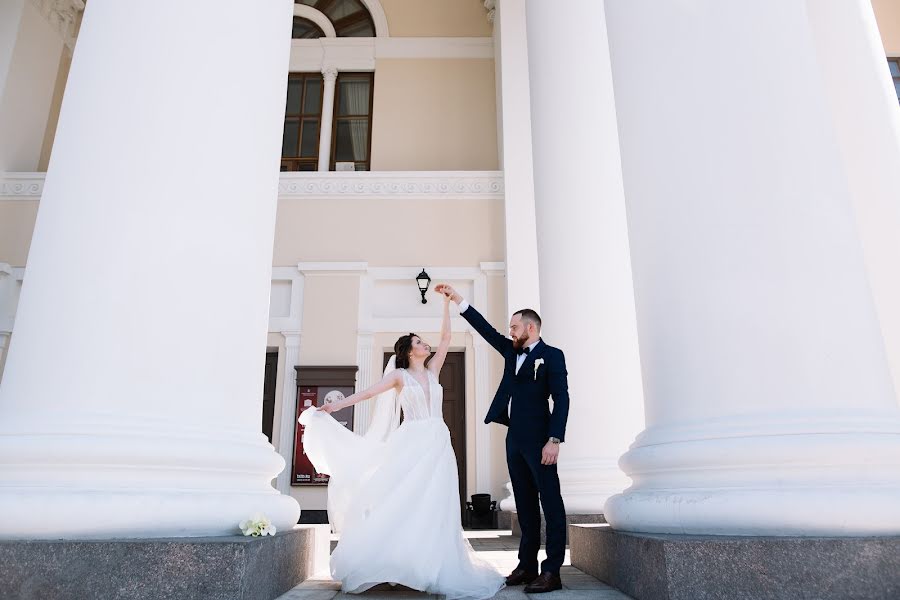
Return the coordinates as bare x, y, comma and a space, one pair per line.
518, 344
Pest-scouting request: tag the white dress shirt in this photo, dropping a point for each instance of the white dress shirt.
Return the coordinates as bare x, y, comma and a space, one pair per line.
520, 359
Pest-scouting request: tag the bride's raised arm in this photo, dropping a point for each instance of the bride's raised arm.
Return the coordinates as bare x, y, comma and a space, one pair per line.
391, 380
437, 361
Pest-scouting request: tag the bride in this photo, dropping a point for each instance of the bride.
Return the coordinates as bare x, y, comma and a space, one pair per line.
394, 492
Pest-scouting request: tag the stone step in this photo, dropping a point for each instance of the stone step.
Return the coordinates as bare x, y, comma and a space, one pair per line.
686, 567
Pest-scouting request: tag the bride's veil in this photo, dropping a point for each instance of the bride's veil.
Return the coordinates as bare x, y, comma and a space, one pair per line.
386, 412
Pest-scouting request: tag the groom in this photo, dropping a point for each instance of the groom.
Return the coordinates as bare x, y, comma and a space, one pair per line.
532, 373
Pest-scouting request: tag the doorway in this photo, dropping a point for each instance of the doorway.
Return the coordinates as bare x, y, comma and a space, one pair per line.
268, 411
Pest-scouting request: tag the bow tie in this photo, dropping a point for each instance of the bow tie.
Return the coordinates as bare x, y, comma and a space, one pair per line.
524, 351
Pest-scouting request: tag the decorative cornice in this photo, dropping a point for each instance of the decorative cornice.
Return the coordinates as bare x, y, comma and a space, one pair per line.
412, 185
21, 186
63, 16
491, 7
486, 185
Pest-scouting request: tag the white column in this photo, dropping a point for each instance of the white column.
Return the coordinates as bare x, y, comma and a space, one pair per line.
288, 408
329, 77
864, 106
365, 377
585, 271
140, 431
483, 397
514, 138
770, 407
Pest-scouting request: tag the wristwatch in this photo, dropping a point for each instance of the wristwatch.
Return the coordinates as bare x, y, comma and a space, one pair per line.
553, 440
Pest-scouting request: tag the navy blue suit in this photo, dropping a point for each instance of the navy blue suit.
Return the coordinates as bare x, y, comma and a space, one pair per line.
531, 424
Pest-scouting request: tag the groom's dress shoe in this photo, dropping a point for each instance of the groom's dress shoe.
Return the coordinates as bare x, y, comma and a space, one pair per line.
520, 576
547, 582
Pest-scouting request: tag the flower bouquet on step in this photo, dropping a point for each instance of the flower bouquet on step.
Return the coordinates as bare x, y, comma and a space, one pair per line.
257, 525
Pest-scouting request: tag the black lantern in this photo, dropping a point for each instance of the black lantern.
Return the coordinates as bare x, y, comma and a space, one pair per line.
423, 281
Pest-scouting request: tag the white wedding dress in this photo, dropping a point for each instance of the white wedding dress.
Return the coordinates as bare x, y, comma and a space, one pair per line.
394, 498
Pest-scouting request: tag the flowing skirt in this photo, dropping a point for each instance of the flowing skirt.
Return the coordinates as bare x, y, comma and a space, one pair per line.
396, 506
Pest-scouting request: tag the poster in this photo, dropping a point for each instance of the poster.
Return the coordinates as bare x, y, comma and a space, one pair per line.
303, 471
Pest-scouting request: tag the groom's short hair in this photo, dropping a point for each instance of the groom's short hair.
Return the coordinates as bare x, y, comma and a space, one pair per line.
530, 316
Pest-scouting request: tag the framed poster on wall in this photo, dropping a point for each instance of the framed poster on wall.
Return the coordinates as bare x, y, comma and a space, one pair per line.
317, 386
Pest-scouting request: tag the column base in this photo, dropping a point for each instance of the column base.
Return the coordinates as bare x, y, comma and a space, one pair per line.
805, 478
141, 479
683, 567
224, 568
109, 513
586, 485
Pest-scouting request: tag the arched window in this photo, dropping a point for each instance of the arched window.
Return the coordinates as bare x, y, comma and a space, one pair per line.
304, 29
350, 17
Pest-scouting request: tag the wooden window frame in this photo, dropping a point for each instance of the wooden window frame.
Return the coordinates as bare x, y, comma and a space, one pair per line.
341, 24
315, 25
291, 163
895, 60
335, 118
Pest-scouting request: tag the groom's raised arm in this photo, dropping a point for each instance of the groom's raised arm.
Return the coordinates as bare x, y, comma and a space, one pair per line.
500, 342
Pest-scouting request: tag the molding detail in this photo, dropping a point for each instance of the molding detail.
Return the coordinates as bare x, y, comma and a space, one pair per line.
63, 16
21, 186
487, 185
491, 7
410, 185
359, 54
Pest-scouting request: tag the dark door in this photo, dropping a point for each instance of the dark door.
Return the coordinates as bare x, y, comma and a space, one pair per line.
453, 380
268, 412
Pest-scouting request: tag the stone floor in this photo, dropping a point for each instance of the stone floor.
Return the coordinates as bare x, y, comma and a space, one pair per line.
498, 548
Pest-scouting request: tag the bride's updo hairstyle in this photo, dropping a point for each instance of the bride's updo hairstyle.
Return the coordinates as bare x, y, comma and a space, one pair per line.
402, 349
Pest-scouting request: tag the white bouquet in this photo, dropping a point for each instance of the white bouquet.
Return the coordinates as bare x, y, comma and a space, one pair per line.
257, 525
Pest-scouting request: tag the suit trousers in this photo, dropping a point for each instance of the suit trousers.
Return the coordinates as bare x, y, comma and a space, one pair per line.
536, 486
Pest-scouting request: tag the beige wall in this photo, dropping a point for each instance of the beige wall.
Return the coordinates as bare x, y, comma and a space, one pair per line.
432, 233
887, 12
27, 98
17, 219
330, 311
434, 115
65, 63
436, 18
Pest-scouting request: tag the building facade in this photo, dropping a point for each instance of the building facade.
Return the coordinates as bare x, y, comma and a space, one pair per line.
701, 203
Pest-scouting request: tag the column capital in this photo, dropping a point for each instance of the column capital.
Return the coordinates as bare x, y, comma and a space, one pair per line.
63, 16
329, 74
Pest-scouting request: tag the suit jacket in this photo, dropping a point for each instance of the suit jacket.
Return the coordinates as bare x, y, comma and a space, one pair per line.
530, 389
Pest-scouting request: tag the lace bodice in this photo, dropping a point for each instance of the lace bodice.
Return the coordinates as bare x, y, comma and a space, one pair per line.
419, 403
